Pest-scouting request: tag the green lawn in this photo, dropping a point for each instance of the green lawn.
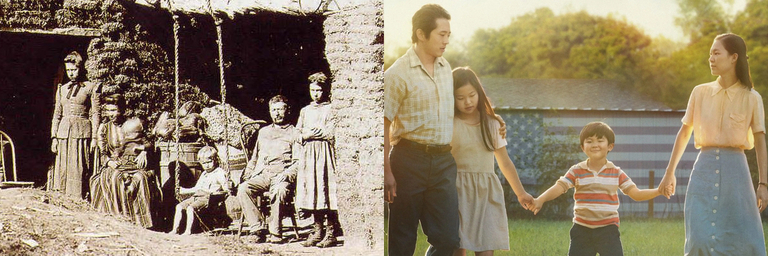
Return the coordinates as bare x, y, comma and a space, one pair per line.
544, 237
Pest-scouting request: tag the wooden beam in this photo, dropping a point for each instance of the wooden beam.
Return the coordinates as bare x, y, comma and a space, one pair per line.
84, 32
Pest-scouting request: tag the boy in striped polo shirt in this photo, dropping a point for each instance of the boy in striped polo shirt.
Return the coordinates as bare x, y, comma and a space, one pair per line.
596, 180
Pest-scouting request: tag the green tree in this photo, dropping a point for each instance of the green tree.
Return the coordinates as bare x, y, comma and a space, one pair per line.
391, 56
699, 18
753, 27
541, 44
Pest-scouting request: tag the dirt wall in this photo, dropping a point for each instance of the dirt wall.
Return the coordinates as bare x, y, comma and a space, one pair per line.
354, 49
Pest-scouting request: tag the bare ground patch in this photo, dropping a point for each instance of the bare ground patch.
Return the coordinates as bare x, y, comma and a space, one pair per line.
37, 222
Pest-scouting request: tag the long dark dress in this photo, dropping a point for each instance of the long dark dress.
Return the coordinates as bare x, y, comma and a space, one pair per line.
127, 189
75, 118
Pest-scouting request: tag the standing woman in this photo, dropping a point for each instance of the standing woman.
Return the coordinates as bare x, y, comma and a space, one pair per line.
316, 179
727, 117
475, 143
75, 120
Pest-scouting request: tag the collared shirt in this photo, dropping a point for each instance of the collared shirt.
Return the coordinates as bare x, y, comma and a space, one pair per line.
277, 147
596, 196
213, 181
725, 117
420, 106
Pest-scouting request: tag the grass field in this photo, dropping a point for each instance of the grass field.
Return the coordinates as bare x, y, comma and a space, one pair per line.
544, 237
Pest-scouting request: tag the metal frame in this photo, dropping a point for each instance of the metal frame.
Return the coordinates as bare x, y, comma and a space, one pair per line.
3, 167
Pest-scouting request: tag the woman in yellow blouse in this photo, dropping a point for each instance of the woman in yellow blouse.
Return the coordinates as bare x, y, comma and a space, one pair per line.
722, 212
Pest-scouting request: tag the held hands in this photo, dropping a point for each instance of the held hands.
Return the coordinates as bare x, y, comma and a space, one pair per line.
667, 185
525, 200
762, 197
536, 205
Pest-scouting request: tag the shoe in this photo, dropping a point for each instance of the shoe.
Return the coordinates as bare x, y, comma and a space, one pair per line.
261, 235
277, 239
318, 231
330, 238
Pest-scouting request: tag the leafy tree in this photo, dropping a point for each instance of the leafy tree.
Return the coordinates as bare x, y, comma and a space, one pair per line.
541, 44
391, 56
699, 18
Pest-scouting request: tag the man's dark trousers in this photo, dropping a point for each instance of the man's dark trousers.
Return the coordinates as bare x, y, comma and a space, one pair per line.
426, 192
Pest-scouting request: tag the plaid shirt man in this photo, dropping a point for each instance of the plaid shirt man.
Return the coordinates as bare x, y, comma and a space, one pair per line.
427, 101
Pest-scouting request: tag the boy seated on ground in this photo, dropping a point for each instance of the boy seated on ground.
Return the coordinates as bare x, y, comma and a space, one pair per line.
213, 180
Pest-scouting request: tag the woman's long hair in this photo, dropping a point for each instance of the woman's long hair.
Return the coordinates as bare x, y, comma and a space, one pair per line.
735, 44
463, 76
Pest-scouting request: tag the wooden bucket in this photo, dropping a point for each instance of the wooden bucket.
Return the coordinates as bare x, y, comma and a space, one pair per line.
187, 156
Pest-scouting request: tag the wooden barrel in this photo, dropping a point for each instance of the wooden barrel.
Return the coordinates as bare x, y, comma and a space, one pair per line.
187, 155
237, 160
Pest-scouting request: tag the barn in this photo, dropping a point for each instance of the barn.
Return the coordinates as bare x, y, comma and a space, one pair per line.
547, 114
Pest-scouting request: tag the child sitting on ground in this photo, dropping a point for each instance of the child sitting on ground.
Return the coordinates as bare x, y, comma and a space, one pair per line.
213, 180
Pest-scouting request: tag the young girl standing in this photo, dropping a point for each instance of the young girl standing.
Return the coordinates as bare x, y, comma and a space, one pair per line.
483, 217
727, 117
316, 179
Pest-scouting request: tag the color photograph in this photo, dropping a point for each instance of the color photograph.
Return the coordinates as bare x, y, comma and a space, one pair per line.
575, 127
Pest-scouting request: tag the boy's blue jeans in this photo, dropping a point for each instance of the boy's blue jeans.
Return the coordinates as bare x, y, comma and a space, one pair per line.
588, 241
426, 192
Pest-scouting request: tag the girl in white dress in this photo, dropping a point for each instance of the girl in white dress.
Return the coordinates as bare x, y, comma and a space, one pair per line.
474, 145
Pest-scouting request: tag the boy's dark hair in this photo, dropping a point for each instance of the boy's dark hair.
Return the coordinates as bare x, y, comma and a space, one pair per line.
597, 129
426, 20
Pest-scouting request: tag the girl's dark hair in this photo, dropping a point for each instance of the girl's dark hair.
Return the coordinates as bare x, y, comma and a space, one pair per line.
426, 20
735, 44
321, 80
463, 76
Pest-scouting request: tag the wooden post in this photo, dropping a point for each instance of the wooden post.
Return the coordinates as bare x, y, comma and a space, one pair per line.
650, 202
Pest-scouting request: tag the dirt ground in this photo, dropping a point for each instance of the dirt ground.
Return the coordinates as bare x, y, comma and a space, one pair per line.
37, 222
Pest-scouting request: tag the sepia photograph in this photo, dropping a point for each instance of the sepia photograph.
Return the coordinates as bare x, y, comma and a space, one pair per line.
191, 127
588, 127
